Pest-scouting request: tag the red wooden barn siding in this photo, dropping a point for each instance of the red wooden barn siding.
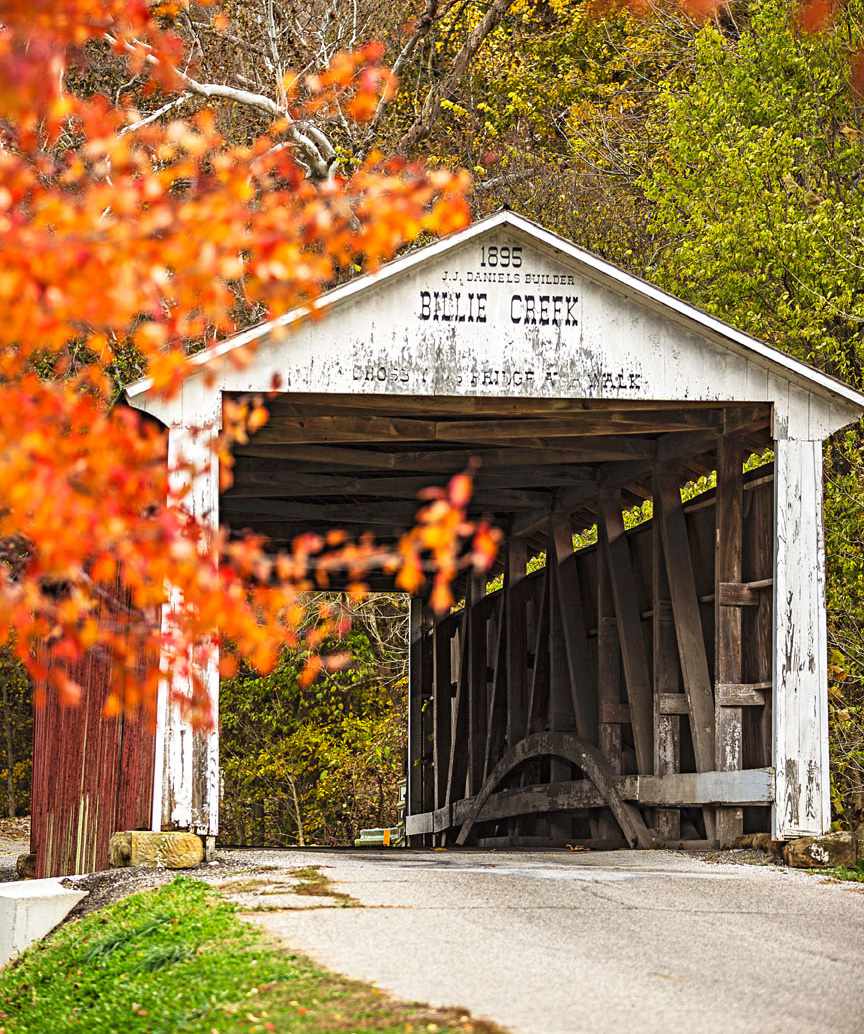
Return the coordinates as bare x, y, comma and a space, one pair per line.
92, 776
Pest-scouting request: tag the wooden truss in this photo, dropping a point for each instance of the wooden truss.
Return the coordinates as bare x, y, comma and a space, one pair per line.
618, 694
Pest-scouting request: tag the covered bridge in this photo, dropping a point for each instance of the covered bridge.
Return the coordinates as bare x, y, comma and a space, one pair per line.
667, 682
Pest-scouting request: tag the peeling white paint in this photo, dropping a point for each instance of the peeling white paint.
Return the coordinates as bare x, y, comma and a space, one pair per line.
557, 323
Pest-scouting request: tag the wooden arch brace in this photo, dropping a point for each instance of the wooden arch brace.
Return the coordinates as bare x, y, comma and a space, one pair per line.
577, 752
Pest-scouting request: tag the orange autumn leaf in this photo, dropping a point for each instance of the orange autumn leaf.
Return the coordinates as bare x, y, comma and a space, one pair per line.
123, 238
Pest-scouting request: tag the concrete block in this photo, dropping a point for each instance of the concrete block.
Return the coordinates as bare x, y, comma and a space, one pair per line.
171, 850
30, 909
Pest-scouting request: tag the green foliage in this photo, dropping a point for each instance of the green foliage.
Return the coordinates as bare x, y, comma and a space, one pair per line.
178, 959
755, 192
316, 764
847, 873
16, 736
755, 195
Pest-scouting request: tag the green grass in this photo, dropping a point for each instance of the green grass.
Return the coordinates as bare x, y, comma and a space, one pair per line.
178, 959
852, 873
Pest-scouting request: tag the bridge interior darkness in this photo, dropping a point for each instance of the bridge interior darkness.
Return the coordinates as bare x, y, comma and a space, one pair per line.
615, 693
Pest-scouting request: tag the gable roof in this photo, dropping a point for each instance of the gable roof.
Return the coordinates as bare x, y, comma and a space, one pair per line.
592, 266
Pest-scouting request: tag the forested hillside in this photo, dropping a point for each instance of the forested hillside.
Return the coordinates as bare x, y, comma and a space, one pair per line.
721, 158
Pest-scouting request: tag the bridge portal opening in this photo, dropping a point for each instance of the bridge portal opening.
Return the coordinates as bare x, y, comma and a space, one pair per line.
608, 682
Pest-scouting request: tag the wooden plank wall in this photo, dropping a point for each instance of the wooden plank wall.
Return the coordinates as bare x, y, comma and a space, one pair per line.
654, 645
92, 776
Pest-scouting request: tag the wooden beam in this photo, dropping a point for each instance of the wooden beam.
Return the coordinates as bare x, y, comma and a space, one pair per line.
252, 472
688, 621
578, 753
442, 707
415, 704
736, 694
751, 786
478, 718
372, 428
758, 731
496, 733
329, 514
582, 690
515, 564
611, 710
539, 688
451, 460
672, 704
736, 594
407, 405
688, 625
560, 716
458, 763
667, 683
625, 593
728, 652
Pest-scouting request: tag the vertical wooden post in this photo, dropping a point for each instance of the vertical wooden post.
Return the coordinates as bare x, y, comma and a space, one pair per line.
458, 766
758, 640
560, 716
608, 665
609, 681
688, 625
186, 769
569, 597
667, 679
516, 651
477, 691
442, 709
802, 798
728, 668
427, 713
415, 706
497, 722
622, 578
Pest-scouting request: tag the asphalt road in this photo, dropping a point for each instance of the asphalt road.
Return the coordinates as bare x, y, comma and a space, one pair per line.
600, 943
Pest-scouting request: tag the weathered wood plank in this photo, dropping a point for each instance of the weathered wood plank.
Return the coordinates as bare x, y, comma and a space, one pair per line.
371, 428
415, 704
559, 715
672, 704
442, 707
613, 713
737, 594
577, 752
427, 661
622, 579
478, 716
516, 656
742, 695
803, 803
758, 642
596, 449
747, 786
458, 764
582, 690
688, 622
667, 682
728, 650
496, 734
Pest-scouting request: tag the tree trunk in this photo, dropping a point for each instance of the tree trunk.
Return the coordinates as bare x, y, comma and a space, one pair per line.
10, 753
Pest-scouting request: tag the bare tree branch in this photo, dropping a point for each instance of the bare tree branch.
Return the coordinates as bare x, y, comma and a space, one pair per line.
424, 122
